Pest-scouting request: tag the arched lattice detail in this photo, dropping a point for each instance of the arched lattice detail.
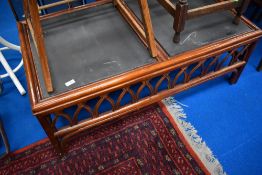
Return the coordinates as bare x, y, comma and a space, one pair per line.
208, 68
80, 107
123, 93
148, 84
170, 79
237, 54
194, 69
58, 115
165, 76
220, 64
143, 85
107, 98
182, 71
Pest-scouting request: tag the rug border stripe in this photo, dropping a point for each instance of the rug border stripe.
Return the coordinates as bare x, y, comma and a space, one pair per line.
182, 137
40, 142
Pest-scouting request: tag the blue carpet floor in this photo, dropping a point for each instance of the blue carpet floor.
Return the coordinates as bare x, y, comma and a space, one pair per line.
228, 117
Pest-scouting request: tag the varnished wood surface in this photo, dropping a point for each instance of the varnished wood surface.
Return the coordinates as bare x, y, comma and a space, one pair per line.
180, 19
43, 7
169, 6
33, 21
148, 28
137, 26
73, 9
224, 5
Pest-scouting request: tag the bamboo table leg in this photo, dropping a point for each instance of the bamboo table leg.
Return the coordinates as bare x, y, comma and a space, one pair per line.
46, 124
148, 27
240, 10
259, 67
180, 19
235, 75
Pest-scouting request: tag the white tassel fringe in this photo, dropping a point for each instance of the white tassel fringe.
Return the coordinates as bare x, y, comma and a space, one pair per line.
190, 133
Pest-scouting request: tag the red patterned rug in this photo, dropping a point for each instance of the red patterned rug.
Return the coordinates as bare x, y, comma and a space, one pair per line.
148, 141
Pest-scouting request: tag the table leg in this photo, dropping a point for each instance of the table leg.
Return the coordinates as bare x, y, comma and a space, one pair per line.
180, 19
240, 10
46, 124
259, 67
235, 75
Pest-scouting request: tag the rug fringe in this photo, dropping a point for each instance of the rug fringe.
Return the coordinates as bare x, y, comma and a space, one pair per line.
190, 133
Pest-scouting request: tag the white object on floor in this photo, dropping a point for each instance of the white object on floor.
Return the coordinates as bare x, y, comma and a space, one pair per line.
10, 72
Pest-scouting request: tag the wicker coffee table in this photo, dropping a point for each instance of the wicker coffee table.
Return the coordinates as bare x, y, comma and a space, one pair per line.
101, 68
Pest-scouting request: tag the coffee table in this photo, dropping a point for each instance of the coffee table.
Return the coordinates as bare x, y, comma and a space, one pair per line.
101, 68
